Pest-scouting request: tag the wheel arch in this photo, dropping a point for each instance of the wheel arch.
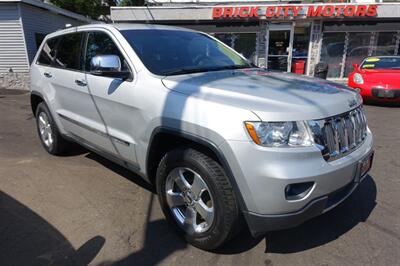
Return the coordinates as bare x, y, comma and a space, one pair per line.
36, 99
164, 139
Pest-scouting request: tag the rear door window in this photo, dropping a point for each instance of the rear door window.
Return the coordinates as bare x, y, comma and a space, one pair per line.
69, 52
48, 52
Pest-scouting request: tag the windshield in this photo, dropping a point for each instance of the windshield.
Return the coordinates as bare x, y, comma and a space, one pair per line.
381, 63
172, 52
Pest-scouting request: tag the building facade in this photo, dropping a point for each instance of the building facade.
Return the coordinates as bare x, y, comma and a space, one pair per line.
23, 25
285, 35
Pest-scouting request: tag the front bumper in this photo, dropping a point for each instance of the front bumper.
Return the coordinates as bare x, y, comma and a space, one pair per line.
262, 174
378, 93
259, 224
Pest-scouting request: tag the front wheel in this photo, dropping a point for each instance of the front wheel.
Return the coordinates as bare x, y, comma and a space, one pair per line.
197, 197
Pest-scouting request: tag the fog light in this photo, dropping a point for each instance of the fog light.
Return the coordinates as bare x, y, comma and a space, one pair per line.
298, 191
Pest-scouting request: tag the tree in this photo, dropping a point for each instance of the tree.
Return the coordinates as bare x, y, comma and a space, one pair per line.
94, 8
91, 8
131, 3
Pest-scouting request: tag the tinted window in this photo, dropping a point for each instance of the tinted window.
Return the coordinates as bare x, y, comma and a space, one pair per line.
169, 52
48, 52
100, 43
68, 51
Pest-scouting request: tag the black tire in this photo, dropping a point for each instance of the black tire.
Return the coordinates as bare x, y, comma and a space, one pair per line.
226, 211
59, 144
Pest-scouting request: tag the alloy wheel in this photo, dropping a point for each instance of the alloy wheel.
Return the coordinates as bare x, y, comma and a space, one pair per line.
45, 130
190, 200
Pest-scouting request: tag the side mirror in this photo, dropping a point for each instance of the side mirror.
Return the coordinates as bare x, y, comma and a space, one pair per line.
355, 66
108, 66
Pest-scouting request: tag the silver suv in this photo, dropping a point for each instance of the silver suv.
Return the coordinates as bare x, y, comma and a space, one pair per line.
222, 140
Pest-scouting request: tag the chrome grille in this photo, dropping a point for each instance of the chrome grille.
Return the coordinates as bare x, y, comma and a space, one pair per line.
339, 135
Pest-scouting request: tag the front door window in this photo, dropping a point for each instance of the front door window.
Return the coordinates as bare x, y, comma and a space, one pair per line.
100, 43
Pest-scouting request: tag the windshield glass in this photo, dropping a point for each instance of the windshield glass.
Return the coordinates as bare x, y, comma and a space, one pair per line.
172, 52
381, 63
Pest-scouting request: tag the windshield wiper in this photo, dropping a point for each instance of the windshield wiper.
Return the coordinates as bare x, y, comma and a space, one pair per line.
207, 69
180, 71
232, 67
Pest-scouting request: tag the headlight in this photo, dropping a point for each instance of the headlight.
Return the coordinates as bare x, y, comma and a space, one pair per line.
279, 134
358, 79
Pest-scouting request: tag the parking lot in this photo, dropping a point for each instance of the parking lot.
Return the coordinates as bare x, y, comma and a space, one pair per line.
81, 209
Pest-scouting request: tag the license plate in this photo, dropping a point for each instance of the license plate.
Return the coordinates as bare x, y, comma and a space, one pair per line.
365, 166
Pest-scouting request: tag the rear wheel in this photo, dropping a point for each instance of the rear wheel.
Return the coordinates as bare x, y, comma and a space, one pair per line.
197, 197
50, 137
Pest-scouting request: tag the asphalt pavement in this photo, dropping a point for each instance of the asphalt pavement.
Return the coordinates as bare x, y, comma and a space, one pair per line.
82, 209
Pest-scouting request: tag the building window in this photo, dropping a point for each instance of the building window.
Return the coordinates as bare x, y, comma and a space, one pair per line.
340, 50
301, 41
357, 49
243, 43
385, 43
332, 52
278, 53
225, 38
39, 37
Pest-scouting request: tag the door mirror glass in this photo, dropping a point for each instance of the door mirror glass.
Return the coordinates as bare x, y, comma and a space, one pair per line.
108, 66
105, 63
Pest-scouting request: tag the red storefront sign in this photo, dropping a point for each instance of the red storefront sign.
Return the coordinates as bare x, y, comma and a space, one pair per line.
293, 11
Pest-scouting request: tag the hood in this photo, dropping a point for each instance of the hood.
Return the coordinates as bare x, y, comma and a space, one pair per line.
273, 96
382, 76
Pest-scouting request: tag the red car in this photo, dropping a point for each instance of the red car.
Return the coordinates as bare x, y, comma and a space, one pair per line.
377, 79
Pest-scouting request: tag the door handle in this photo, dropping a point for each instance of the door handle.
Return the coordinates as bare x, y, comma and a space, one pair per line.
80, 82
47, 74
